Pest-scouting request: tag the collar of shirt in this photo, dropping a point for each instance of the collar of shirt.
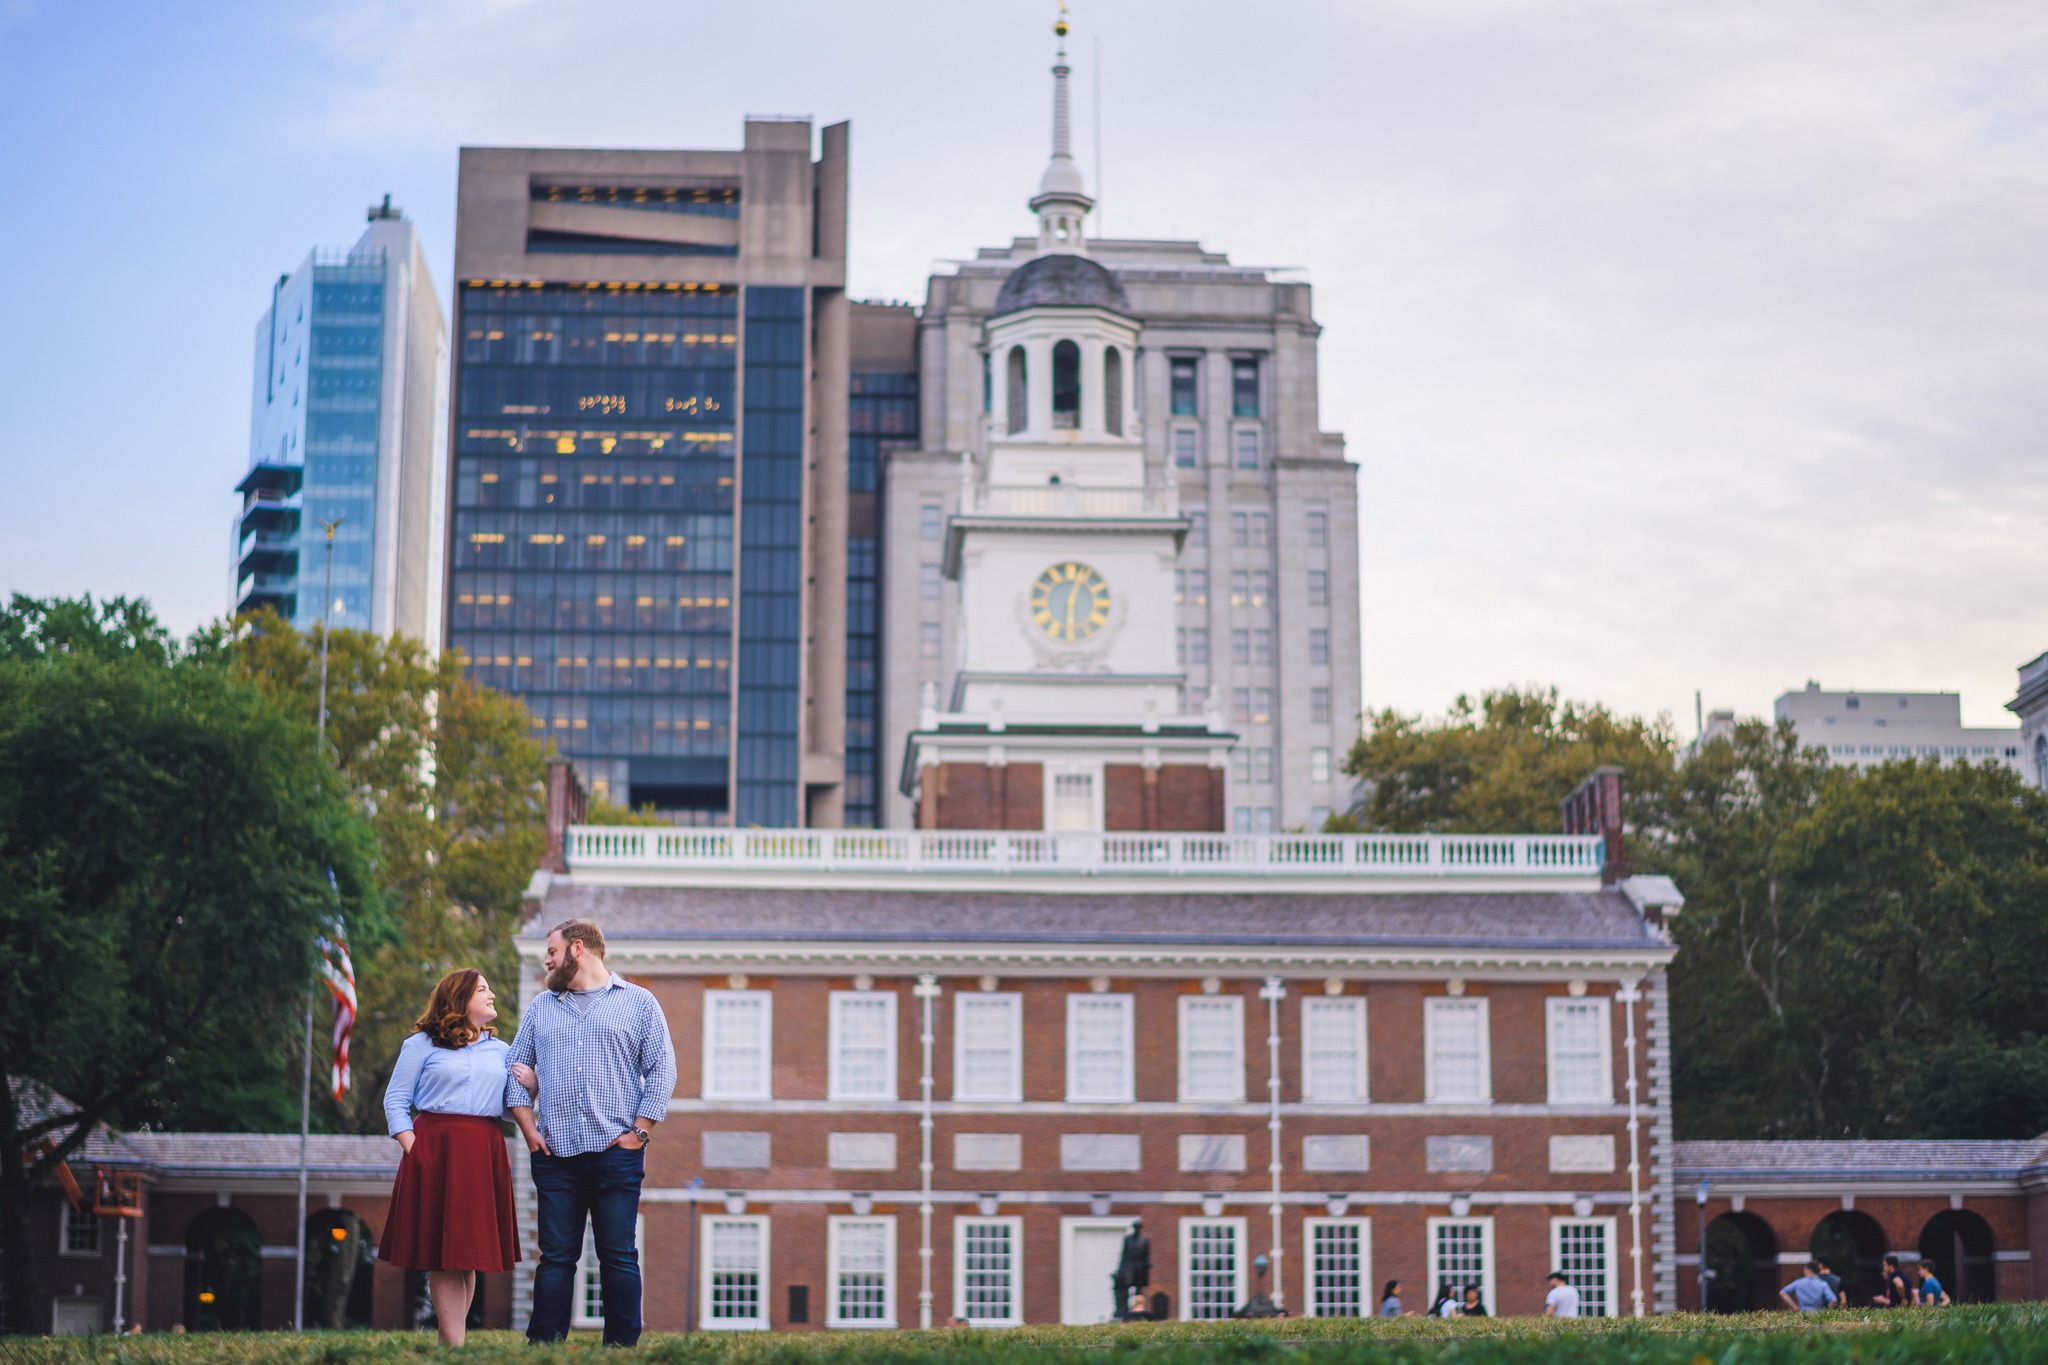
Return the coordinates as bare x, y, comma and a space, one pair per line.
611, 980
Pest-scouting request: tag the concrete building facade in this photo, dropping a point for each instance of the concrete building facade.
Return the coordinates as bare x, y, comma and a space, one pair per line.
345, 427
1862, 729
2031, 706
1173, 374
649, 504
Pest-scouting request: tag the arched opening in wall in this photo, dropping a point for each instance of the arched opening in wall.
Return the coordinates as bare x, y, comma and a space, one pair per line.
1742, 1256
340, 1270
1019, 393
1113, 391
1066, 384
1853, 1246
1958, 1244
223, 1272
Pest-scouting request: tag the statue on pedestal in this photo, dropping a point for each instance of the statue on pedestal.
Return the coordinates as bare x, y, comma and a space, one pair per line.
1133, 1269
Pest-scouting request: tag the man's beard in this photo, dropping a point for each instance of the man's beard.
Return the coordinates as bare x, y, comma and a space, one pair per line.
563, 973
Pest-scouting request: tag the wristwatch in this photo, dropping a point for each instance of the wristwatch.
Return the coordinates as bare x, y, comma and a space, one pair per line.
646, 1136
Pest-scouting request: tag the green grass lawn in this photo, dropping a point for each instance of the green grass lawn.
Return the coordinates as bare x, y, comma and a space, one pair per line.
2008, 1333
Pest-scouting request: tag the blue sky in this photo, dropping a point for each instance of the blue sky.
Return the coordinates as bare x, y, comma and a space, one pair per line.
1681, 345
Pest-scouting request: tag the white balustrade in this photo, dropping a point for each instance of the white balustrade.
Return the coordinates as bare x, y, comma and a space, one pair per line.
1070, 500
997, 852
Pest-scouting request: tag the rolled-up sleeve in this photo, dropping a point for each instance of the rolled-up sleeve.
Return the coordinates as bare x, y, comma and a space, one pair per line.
405, 1077
657, 1063
523, 1051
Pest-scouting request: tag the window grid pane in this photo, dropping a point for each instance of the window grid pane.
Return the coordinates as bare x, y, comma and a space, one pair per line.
1460, 1253
988, 1272
1582, 1256
1577, 1035
738, 1031
1211, 1043
81, 1233
1101, 1046
1212, 1270
988, 1047
861, 1290
1455, 1051
1337, 1270
863, 1045
735, 1264
1334, 1063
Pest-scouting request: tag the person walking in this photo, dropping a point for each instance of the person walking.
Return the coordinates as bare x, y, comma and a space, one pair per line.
1931, 1293
1390, 1300
596, 1050
1563, 1300
1897, 1293
1809, 1293
451, 1202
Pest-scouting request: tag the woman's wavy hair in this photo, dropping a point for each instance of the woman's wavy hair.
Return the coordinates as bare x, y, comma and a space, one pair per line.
447, 1018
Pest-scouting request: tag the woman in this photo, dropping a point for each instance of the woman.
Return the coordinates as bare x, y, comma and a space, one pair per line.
1390, 1300
451, 1205
1446, 1304
1473, 1307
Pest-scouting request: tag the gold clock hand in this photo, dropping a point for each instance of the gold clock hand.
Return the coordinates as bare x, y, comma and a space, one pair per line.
1073, 591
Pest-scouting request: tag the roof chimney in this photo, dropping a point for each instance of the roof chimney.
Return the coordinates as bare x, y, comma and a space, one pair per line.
1594, 807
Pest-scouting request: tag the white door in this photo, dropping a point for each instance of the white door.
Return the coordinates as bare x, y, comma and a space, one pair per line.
77, 1318
1092, 1247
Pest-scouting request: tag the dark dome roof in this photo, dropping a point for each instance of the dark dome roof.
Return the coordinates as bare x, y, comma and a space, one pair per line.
1061, 281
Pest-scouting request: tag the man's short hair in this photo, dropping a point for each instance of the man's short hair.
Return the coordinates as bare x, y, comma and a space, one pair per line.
581, 931
1812, 1266
1559, 1276
1822, 1262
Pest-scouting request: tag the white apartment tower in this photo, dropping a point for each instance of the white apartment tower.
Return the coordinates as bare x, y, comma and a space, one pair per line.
1089, 399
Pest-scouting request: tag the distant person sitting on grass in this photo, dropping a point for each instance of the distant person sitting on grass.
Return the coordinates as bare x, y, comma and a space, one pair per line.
1931, 1293
1809, 1293
1562, 1301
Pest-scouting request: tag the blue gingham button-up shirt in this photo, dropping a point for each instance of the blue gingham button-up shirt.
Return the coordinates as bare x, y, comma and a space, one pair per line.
599, 1068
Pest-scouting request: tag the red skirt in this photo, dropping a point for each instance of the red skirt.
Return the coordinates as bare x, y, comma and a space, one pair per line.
451, 1205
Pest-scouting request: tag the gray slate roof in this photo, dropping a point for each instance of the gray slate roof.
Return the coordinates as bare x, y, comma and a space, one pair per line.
1929, 1160
1585, 919
1061, 281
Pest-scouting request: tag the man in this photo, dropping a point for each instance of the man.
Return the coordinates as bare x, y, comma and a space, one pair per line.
1809, 1293
606, 1069
1827, 1272
1931, 1292
1133, 1269
1563, 1300
1897, 1293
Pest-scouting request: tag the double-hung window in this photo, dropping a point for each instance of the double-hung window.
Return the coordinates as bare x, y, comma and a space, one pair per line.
1459, 1059
1212, 1048
1099, 1049
1184, 448
738, 1032
1339, 1267
1583, 1248
81, 1233
736, 1273
1461, 1258
1581, 1058
1247, 443
862, 1255
1212, 1267
1333, 1050
863, 1045
987, 1255
988, 1045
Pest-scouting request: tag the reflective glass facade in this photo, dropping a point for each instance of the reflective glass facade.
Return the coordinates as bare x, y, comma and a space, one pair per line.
881, 414
771, 560
343, 382
591, 563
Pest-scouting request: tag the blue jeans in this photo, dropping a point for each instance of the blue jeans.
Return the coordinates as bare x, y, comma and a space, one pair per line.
605, 1188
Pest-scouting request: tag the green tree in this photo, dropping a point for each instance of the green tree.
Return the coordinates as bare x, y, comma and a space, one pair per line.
1501, 765
448, 775
169, 845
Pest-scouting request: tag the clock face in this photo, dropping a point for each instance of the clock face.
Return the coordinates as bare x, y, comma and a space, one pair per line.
1070, 601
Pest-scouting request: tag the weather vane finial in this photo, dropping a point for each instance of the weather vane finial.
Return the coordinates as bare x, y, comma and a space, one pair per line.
1060, 24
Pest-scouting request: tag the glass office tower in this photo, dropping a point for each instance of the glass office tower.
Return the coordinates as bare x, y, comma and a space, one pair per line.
631, 548
343, 432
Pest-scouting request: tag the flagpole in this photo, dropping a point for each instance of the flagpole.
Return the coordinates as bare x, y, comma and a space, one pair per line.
306, 1081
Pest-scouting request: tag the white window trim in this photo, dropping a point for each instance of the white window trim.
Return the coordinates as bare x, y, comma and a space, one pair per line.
1430, 1010
1069, 1225
1550, 1011
764, 1089
1486, 1271
1050, 797
1013, 1092
586, 1271
1613, 1277
1368, 1295
837, 1089
1127, 1093
1235, 1004
1239, 1290
1016, 1226
887, 1321
1364, 1069
64, 1236
704, 1319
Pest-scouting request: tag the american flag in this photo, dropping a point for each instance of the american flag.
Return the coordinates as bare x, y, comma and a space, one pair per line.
340, 975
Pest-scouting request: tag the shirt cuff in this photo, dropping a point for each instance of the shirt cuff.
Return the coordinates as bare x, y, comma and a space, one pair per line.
401, 1124
653, 1114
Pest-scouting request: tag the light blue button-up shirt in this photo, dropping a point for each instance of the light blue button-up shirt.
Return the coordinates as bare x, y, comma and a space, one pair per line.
599, 1068
446, 1080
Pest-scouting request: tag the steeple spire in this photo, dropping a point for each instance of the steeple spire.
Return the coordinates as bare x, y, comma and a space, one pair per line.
1061, 204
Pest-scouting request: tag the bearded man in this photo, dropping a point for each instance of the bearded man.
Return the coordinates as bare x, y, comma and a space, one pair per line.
596, 1052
